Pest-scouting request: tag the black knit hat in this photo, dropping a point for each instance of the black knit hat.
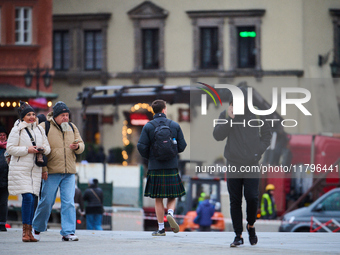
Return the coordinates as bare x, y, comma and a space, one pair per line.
3, 130
24, 109
59, 108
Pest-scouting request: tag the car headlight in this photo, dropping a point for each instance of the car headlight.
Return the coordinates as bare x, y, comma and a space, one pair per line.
291, 219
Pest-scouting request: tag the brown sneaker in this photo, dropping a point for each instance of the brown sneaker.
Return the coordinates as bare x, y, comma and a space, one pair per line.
173, 224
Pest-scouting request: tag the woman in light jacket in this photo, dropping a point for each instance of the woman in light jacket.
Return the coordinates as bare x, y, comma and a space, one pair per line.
24, 175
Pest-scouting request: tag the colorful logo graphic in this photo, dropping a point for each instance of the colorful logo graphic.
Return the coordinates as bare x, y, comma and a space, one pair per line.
204, 97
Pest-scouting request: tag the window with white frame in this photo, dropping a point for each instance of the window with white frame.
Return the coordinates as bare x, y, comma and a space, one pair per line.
23, 25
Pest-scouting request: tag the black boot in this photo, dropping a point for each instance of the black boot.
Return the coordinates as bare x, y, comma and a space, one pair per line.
3, 227
237, 241
252, 235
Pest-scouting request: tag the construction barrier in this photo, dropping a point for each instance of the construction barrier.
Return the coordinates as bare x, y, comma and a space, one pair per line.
331, 222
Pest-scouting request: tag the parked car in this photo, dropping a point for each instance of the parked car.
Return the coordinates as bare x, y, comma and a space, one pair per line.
325, 208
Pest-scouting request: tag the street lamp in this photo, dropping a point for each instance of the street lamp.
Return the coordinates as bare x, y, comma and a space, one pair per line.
46, 77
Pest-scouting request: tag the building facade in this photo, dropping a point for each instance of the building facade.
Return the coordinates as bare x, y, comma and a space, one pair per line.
25, 54
262, 43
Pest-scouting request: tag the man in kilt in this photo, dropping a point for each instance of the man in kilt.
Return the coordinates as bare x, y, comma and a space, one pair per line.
163, 180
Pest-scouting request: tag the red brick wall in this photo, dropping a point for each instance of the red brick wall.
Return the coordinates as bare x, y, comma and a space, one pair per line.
15, 59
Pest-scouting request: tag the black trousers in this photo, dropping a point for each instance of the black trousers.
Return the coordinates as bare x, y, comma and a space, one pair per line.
3, 204
236, 184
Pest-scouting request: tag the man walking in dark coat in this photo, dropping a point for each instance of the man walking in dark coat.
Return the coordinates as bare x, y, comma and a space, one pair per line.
244, 148
163, 180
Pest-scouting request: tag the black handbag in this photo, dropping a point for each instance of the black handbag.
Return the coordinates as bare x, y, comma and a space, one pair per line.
39, 164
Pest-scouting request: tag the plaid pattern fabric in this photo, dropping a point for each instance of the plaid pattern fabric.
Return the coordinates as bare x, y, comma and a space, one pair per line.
164, 184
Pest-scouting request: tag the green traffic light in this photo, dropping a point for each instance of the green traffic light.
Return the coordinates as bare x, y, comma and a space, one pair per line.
248, 34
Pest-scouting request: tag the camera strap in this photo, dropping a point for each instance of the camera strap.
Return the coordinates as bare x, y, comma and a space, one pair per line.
32, 139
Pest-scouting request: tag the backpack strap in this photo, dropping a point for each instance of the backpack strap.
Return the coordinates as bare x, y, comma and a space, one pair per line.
152, 123
71, 126
48, 125
167, 123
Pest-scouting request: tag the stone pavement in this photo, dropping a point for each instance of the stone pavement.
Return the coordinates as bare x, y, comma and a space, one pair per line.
133, 242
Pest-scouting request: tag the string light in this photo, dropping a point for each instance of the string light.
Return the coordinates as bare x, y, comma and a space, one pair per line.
49, 103
9, 104
145, 106
128, 131
125, 142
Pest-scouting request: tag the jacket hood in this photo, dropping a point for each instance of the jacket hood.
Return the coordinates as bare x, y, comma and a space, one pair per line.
23, 124
49, 116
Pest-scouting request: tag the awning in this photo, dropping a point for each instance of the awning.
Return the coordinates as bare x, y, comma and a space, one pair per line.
8, 91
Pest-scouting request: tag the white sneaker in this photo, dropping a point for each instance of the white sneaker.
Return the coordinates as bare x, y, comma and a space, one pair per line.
71, 237
36, 236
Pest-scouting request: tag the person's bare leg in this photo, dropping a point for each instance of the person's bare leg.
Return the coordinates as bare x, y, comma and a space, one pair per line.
159, 208
171, 203
171, 206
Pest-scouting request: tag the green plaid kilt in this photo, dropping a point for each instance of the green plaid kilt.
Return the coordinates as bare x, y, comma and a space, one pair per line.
164, 184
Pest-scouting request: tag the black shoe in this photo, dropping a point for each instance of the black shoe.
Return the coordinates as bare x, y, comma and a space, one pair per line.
252, 235
237, 241
3, 227
159, 233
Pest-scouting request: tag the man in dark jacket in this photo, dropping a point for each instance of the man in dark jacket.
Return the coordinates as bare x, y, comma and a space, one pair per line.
205, 211
3, 180
93, 195
163, 180
244, 148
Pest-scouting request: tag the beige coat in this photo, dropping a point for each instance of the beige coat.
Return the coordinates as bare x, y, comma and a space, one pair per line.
62, 160
24, 175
